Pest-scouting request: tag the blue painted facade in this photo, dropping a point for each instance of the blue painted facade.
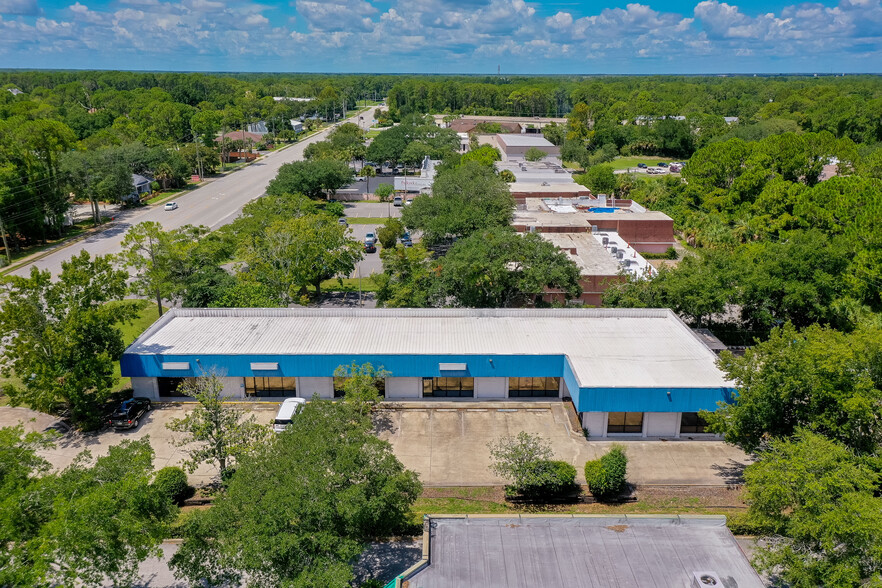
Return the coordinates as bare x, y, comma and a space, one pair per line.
585, 398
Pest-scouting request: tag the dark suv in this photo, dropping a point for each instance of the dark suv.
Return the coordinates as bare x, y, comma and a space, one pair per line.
127, 415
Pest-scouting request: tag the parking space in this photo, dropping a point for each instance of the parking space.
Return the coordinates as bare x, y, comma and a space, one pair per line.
446, 443
152, 425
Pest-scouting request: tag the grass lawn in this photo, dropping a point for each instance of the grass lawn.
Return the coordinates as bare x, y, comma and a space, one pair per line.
372, 133
147, 315
366, 220
70, 232
626, 162
490, 500
349, 285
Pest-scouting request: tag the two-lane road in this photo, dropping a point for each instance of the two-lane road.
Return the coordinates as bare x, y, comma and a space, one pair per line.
212, 205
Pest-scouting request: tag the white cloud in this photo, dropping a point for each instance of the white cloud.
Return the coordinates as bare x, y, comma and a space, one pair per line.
448, 34
23, 7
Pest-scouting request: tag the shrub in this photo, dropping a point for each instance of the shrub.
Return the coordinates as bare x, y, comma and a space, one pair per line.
534, 154
172, 482
550, 478
388, 234
384, 191
606, 476
507, 176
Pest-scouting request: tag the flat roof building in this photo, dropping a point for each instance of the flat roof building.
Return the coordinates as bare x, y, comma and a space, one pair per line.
590, 551
516, 146
643, 366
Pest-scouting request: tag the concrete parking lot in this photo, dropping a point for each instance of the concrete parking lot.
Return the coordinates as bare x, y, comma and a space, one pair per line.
152, 425
446, 443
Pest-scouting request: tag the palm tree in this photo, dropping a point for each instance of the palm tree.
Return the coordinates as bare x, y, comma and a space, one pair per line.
368, 172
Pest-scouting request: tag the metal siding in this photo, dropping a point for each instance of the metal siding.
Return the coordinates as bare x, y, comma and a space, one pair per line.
651, 399
325, 365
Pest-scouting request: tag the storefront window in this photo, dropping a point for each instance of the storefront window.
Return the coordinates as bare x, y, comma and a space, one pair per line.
449, 387
533, 387
690, 422
625, 422
272, 387
170, 387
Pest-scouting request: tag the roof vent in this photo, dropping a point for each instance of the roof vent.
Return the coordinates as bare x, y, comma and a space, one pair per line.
706, 580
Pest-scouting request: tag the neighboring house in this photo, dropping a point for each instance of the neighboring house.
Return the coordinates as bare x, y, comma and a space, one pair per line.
291, 99
142, 185
243, 136
296, 125
14, 91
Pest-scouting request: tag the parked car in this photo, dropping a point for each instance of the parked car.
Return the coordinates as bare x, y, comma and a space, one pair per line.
408, 202
397, 201
641, 165
171, 206
289, 409
128, 414
342, 221
662, 164
370, 238
370, 247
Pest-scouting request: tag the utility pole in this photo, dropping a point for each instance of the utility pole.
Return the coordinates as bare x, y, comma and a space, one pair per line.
5, 244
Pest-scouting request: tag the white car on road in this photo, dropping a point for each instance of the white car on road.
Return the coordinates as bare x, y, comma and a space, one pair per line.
171, 206
290, 407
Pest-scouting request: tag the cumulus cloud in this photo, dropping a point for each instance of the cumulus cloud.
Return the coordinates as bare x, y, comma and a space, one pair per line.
23, 7
453, 34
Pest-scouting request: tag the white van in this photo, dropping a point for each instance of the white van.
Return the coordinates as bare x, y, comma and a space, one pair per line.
397, 201
289, 408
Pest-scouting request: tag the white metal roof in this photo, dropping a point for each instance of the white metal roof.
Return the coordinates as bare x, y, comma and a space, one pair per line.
625, 348
524, 140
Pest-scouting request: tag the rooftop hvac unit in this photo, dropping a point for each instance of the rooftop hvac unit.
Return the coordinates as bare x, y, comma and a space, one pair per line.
532, 228
613, 249
620, 254
605, 241
706, 580
626, 262
593, 229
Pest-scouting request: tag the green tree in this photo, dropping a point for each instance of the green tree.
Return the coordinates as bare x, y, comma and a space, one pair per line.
215, 433
300, 509
84, 525
498, 268
62, 337
360, 385
508, 176
407, 278
96, 176
485, 155
368, 172
389, 233
534, 154
160, 259
384, 191
818, 378
607, 477
600, 179
464, 200
525, 460
820, 502
300, 252
311, 178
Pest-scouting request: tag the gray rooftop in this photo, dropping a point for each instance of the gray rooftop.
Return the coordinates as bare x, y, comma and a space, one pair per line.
591, 257
606, 347
524, 140
647, 551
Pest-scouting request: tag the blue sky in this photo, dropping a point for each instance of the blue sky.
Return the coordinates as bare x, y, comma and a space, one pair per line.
444, 36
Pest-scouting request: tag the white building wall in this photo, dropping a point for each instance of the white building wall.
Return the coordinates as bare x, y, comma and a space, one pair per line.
595, 422
234, 387
491, 387
145, 387
404, 387
307, 387
661, 424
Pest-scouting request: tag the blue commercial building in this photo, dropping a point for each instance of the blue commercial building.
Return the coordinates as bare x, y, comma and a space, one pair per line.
632, 372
